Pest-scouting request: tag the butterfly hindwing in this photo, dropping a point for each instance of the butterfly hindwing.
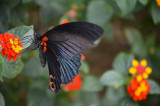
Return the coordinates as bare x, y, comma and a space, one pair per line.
54, 70
69, 68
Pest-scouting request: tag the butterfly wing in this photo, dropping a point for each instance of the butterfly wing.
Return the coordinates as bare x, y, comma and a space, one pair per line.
54, 70
69, 40
65, 43
89, 31
69, 68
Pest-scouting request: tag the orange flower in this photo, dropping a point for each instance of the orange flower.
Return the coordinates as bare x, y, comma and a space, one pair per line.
138, 90
75, 85
64, 21
82, 57
140, 69
158, 2
11, 46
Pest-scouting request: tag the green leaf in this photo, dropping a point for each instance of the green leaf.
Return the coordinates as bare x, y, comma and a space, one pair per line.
49, 14
26, 1
25, 33
155, 13
84, 67
123, 62
112, 78
91, 84
90, 99
39, 97
14, 3
12, 68
134, 38
114, 95
144, 2
5, 18
1, 67
51, 9
34, 69
128, 102
2, 102
99, 12
155, 88
108, 31
126, 6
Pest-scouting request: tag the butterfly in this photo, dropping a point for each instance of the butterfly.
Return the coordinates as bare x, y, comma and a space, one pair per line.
61, 47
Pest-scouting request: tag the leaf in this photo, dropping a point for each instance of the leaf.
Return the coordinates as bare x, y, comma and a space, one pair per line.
155, 13
2, 102
144, 2
108, 30
25, 33
126, 6
99, 12
39, 97
155, 88
48, 14
4, 17
1, 67
90, 99
134, 38
128, 102
12, 68
123, 62
34, 69
114, 95
26, 1
84, 67
51, 9
91, 84
112, 78
18, 16
14, 3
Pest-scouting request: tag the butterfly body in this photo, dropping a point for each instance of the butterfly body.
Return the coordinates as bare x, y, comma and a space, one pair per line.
60, 48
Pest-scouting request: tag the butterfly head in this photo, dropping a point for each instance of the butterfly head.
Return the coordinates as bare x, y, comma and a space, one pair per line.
37, 39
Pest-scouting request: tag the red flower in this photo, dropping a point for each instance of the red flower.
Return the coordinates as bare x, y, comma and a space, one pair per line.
138, 90
82, 57
75, 85
64, 21
11, 46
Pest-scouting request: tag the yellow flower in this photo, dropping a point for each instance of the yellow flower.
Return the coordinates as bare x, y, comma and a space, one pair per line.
143, 63
158, 2
135, 63
137, 93
145, 75
15, 46
139, 78
132, 70
148, 70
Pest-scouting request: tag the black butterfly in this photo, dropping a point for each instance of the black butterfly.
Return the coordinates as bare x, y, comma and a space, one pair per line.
61, 46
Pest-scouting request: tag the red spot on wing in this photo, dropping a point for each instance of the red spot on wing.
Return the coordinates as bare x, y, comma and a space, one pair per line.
44, 44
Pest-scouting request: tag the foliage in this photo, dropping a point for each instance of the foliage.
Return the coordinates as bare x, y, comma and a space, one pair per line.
133, 24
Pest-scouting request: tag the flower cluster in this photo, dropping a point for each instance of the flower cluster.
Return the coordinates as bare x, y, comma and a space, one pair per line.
158, 2
11, 46
139, 88
140, 69
75, 85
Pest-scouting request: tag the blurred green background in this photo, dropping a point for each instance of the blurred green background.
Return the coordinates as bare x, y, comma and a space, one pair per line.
131, 31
